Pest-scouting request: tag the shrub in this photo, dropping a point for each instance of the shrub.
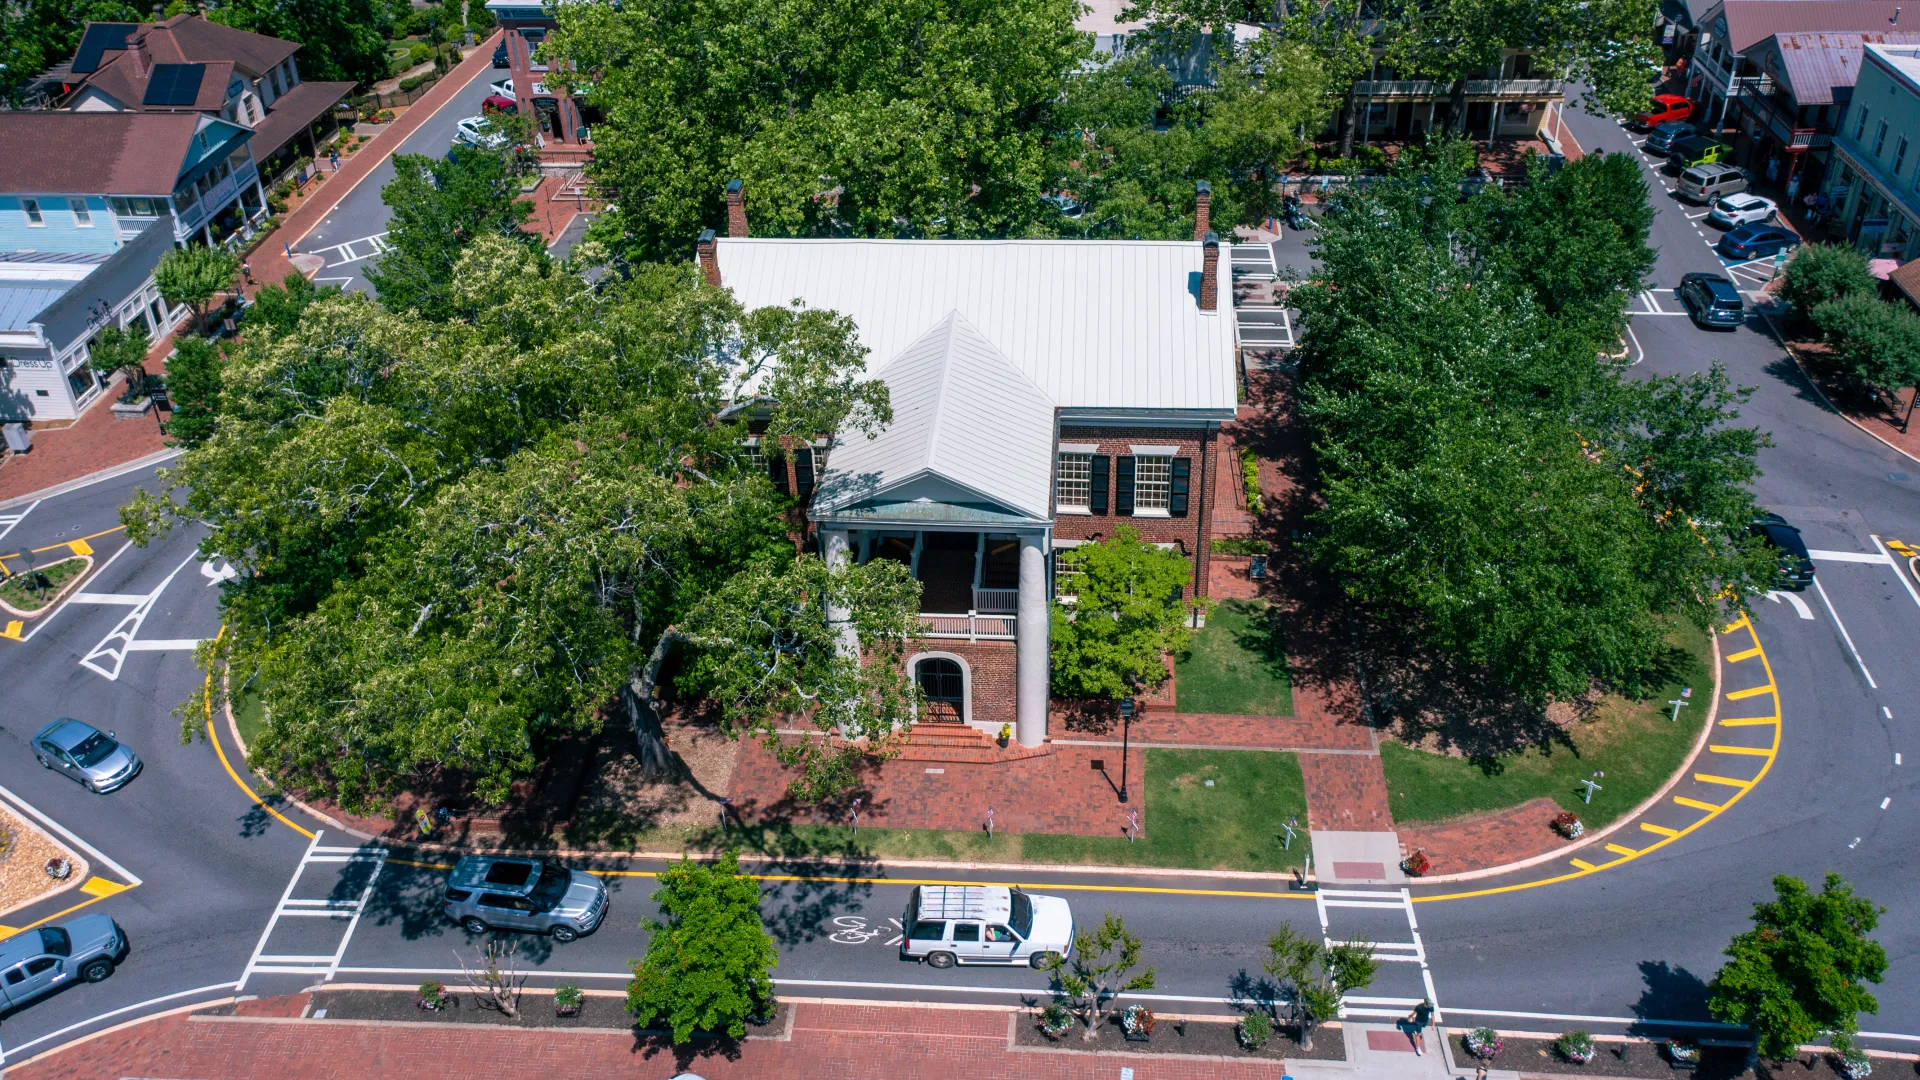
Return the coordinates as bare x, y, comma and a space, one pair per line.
1250, 478
432, 995
567, 999
1575, 1046
1874, 344
1254, 1030
1416, 863
1683, 1051
414, 82
1239, 545
1483, 1043
1823, 272
419, 54
1055, 1020
1138, 1021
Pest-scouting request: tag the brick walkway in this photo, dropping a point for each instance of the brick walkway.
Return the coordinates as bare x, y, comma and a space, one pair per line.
1484, 840
96, 441
827, 1041
1218, 729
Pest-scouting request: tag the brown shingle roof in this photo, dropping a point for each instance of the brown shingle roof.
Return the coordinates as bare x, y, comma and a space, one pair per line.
120, 78
1750, 22
293, 111
1907, 280
188, 39
98, 153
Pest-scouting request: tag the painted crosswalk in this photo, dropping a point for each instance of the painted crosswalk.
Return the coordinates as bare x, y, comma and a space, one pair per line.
357, 866
351, 251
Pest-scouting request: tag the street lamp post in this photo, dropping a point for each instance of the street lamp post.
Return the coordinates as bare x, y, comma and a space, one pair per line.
1126, 731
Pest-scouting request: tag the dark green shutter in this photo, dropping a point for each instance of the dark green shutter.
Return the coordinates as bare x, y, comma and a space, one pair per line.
1177, 497
1097, 472
777, 472
1123, 486
803, 473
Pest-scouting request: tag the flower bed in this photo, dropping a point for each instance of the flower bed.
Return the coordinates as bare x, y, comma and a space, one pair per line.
1174, 1037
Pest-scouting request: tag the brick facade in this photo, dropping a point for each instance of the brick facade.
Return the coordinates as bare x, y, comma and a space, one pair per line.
990, 670
1193, 532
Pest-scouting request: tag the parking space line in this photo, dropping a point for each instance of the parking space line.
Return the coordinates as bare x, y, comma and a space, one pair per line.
1822, 555
1744, 654
1695, 803
1709, 778
1749, 751
1748, 721
1618, 850
1896, 570
1658, 830
1581, 863
1754, 691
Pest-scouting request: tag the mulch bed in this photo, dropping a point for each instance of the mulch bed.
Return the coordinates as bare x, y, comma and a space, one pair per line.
1208, 1037
1535, 1057
536, 1010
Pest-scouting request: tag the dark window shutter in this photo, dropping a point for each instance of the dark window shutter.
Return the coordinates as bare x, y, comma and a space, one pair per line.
1123, 486
1097, 498
1177, 496
777, 472
803, 473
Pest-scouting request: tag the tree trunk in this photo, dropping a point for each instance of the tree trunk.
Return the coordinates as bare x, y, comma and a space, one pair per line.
1306, 1035
1457, 107
1349, 119
650, 739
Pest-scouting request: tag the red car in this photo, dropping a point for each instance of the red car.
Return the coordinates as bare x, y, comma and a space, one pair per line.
503, 104
1665, 107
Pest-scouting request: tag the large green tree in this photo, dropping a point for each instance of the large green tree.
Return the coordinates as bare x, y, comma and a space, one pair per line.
1313, 977
192, 275
886, 118
193, 386
339, 39
440, 205
1127, 614
459, 541
1521, 505
38, 34
710, 960
1800, 972
1871, 344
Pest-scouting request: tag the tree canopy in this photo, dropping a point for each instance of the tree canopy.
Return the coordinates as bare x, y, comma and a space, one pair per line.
1871, 344
1126, 616
339, 39
38, 34
440, 205
709, 962
1799, 973
192, 275
459, 541
1529, 509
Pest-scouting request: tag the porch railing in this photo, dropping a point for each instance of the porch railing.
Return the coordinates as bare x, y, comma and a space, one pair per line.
995, 601
973, 626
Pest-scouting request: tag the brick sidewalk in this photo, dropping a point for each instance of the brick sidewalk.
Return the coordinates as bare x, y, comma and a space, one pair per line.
97, 440
1491, 839
827, 1041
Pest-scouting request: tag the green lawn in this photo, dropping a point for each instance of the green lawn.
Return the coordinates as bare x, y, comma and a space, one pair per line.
249, 713
1233, 825
17, 592
1632, 741
1237, 664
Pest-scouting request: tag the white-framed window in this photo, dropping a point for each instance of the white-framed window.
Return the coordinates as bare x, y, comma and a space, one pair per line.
82, 217
34, 218
1879, 138
756, 457
1065, 575
1152, 485
1076, 483
1860, 125
1899, 155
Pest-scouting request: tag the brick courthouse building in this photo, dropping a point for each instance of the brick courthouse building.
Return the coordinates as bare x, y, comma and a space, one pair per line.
1044, 392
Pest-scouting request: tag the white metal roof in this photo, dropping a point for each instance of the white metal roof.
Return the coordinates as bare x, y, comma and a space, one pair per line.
1095, 324
962, 413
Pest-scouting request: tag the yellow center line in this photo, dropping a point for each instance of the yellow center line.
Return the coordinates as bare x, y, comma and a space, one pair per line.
214, 737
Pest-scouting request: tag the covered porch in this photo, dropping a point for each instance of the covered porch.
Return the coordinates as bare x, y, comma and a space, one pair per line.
969, 581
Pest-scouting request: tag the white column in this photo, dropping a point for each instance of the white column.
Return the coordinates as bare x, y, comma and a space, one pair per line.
839, 616
1030, 633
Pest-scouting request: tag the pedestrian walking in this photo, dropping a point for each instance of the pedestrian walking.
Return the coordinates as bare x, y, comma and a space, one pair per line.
1416, 1023
1481, 1072
334, 157
246, 271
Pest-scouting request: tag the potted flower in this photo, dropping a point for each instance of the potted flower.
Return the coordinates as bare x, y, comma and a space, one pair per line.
1055, 1020
433, 996
1483, 1043
59, 868
1006, 732
1137, 1022
1575, 1046
1253, 1030
1849, 1060
567, 1000
1683, 1053
1415, 864
1568, 824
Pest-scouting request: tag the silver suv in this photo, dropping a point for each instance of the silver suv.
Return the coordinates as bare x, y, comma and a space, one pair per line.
497, 892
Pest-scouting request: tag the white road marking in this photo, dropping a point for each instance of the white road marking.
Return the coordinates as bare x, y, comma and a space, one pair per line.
123, 599
43, 819
1896, 759
1799, 605
1636, 343
1844, 636
42, 624
346, 253
1698, 216
164, 645
4, 1055
10, 520
126, 630
1888, 713
1821, 555
217, 570
1884, 803
1896, 573
322, 964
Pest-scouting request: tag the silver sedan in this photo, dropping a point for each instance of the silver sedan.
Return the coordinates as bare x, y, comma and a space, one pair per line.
85, 753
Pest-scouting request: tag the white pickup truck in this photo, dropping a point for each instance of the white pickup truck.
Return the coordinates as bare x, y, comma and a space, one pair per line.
984, 924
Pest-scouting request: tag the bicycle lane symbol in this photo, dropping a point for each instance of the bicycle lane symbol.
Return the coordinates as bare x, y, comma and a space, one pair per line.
853, 930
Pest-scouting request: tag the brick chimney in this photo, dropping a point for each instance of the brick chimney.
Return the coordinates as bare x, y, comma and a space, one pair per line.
137, 51
1209, 273
709, 259
1202, 210
736, 211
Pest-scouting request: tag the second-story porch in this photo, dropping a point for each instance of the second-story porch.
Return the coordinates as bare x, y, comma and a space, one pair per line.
969, 581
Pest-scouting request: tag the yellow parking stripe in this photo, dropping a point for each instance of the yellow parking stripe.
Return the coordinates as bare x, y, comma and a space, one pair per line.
1696, 803
81, 547
1618, 850
14, 626
1659, 830
1581, 863
97, 886
1756, 691
1745, 654
1751, 751
1748, 721
1709, 778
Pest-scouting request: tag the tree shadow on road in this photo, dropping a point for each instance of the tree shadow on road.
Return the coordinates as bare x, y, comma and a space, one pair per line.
1672, 993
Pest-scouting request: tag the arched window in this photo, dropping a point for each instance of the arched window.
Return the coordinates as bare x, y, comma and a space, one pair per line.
944, 687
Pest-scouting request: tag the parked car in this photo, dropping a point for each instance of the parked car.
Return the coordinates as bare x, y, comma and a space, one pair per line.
1713, 301
86, 754
500, 55
1796, 566
1661, 139
1757, 242
35, 963
501, 87
499, 103
984, 924
1695, 150
1666, 107
1707, 183
496, 892
473, 131
1742, 208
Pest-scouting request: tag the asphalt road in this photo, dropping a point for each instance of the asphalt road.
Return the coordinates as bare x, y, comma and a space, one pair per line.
1629, 944
349, 237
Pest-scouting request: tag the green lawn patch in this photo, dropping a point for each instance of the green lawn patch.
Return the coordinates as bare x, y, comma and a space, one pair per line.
1237, 664
31, 591
1632, 741
1233, 825
249, 713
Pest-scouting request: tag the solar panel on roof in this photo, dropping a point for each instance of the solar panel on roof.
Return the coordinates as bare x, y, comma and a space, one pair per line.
174, 84
98, 39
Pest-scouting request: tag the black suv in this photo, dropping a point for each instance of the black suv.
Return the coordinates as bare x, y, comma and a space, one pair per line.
1796, 566
1712, 300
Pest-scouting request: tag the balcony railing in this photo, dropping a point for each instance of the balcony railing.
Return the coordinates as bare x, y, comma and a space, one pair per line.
973, 626
1784, 126
996, 601
1438, 89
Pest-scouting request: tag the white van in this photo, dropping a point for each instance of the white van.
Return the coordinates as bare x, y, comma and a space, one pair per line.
984, 924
